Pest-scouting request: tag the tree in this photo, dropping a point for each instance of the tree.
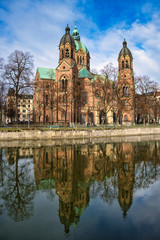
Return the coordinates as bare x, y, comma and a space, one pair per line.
18, 73
144, 103
104, 90
2, 91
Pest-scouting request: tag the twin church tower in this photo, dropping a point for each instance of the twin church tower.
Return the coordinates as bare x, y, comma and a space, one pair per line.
72, 94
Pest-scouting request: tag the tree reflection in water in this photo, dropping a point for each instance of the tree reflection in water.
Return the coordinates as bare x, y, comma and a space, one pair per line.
77, 174
18, 186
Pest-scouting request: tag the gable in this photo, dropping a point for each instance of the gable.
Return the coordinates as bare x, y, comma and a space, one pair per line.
65, 64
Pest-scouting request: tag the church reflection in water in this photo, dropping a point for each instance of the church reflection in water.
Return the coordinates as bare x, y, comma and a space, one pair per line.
80, 172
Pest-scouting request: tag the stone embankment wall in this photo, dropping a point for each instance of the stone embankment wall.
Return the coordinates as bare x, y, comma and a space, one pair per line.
76, 134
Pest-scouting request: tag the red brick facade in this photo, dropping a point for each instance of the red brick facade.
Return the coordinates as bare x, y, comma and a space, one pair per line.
71, 93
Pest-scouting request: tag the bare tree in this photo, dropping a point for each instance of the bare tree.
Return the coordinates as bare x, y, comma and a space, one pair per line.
145, 91
2, 91
18, 73
104, 90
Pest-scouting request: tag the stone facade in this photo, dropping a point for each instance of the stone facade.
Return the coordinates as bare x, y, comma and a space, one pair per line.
72, 94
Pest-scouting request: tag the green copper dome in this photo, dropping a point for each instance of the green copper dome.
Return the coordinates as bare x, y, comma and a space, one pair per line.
78, 43
75, 33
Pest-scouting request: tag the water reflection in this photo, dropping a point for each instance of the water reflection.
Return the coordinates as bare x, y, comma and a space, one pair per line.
78, 174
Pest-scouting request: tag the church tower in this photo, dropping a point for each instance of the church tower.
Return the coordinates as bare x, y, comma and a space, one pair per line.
126, 85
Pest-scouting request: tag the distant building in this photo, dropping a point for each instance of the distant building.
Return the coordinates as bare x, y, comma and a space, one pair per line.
25, 107
72, 94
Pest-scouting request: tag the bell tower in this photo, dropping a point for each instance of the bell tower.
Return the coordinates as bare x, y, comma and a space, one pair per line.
126, 86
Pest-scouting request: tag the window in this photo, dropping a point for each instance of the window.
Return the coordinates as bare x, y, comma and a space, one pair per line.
24, 111
28, 101
67, 52
86, 97
122, 64
29, 106
47, 86
47, 119
71, 53
127, 66
24, 115
63, 115
46, 99
80, 60
64, 83
125, 118
125, 91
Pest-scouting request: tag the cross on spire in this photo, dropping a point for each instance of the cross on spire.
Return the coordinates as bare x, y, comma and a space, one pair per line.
75, 22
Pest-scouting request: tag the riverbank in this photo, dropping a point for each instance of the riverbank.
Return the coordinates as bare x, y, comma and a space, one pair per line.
58, 134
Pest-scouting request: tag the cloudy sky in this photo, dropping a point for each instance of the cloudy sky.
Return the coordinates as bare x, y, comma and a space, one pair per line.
38, 25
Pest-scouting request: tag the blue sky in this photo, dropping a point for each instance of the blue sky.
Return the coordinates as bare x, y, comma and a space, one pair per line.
37, 26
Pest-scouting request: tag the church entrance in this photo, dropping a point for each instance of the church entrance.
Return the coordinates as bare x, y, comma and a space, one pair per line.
91, 118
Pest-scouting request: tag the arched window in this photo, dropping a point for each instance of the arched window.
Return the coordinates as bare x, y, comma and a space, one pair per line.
64, 83
77, 59
71, 53
127, 65
125, 91
122, 64
67, 52
83, 60
80, 60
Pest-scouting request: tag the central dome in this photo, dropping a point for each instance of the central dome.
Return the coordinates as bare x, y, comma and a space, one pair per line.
67, 38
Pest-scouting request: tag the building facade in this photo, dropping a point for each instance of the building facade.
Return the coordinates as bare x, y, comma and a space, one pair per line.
24, 108
72, 94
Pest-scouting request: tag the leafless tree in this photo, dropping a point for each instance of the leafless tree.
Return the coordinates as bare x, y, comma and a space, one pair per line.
18, 73
145, 102
2, 91
104, 90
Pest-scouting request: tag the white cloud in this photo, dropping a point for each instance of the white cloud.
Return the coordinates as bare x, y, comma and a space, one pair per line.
38, 27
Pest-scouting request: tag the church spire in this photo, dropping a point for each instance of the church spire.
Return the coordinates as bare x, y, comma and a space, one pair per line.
75, 33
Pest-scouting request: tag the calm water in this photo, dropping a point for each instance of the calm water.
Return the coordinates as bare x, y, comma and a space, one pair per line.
103, 191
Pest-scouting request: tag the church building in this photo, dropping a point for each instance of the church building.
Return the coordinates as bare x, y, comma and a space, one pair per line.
72, 94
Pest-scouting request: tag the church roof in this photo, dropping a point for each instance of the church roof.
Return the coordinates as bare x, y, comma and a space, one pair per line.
80, 45
47, 73
83, 73
67, 38
125, 50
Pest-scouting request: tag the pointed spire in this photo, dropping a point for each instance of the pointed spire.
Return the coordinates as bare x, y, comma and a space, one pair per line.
124, 43
67, 29
75, 33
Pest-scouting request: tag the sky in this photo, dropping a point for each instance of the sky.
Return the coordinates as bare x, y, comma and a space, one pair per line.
37, 27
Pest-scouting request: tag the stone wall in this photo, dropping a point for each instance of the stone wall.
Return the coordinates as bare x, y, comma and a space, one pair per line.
76, 134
